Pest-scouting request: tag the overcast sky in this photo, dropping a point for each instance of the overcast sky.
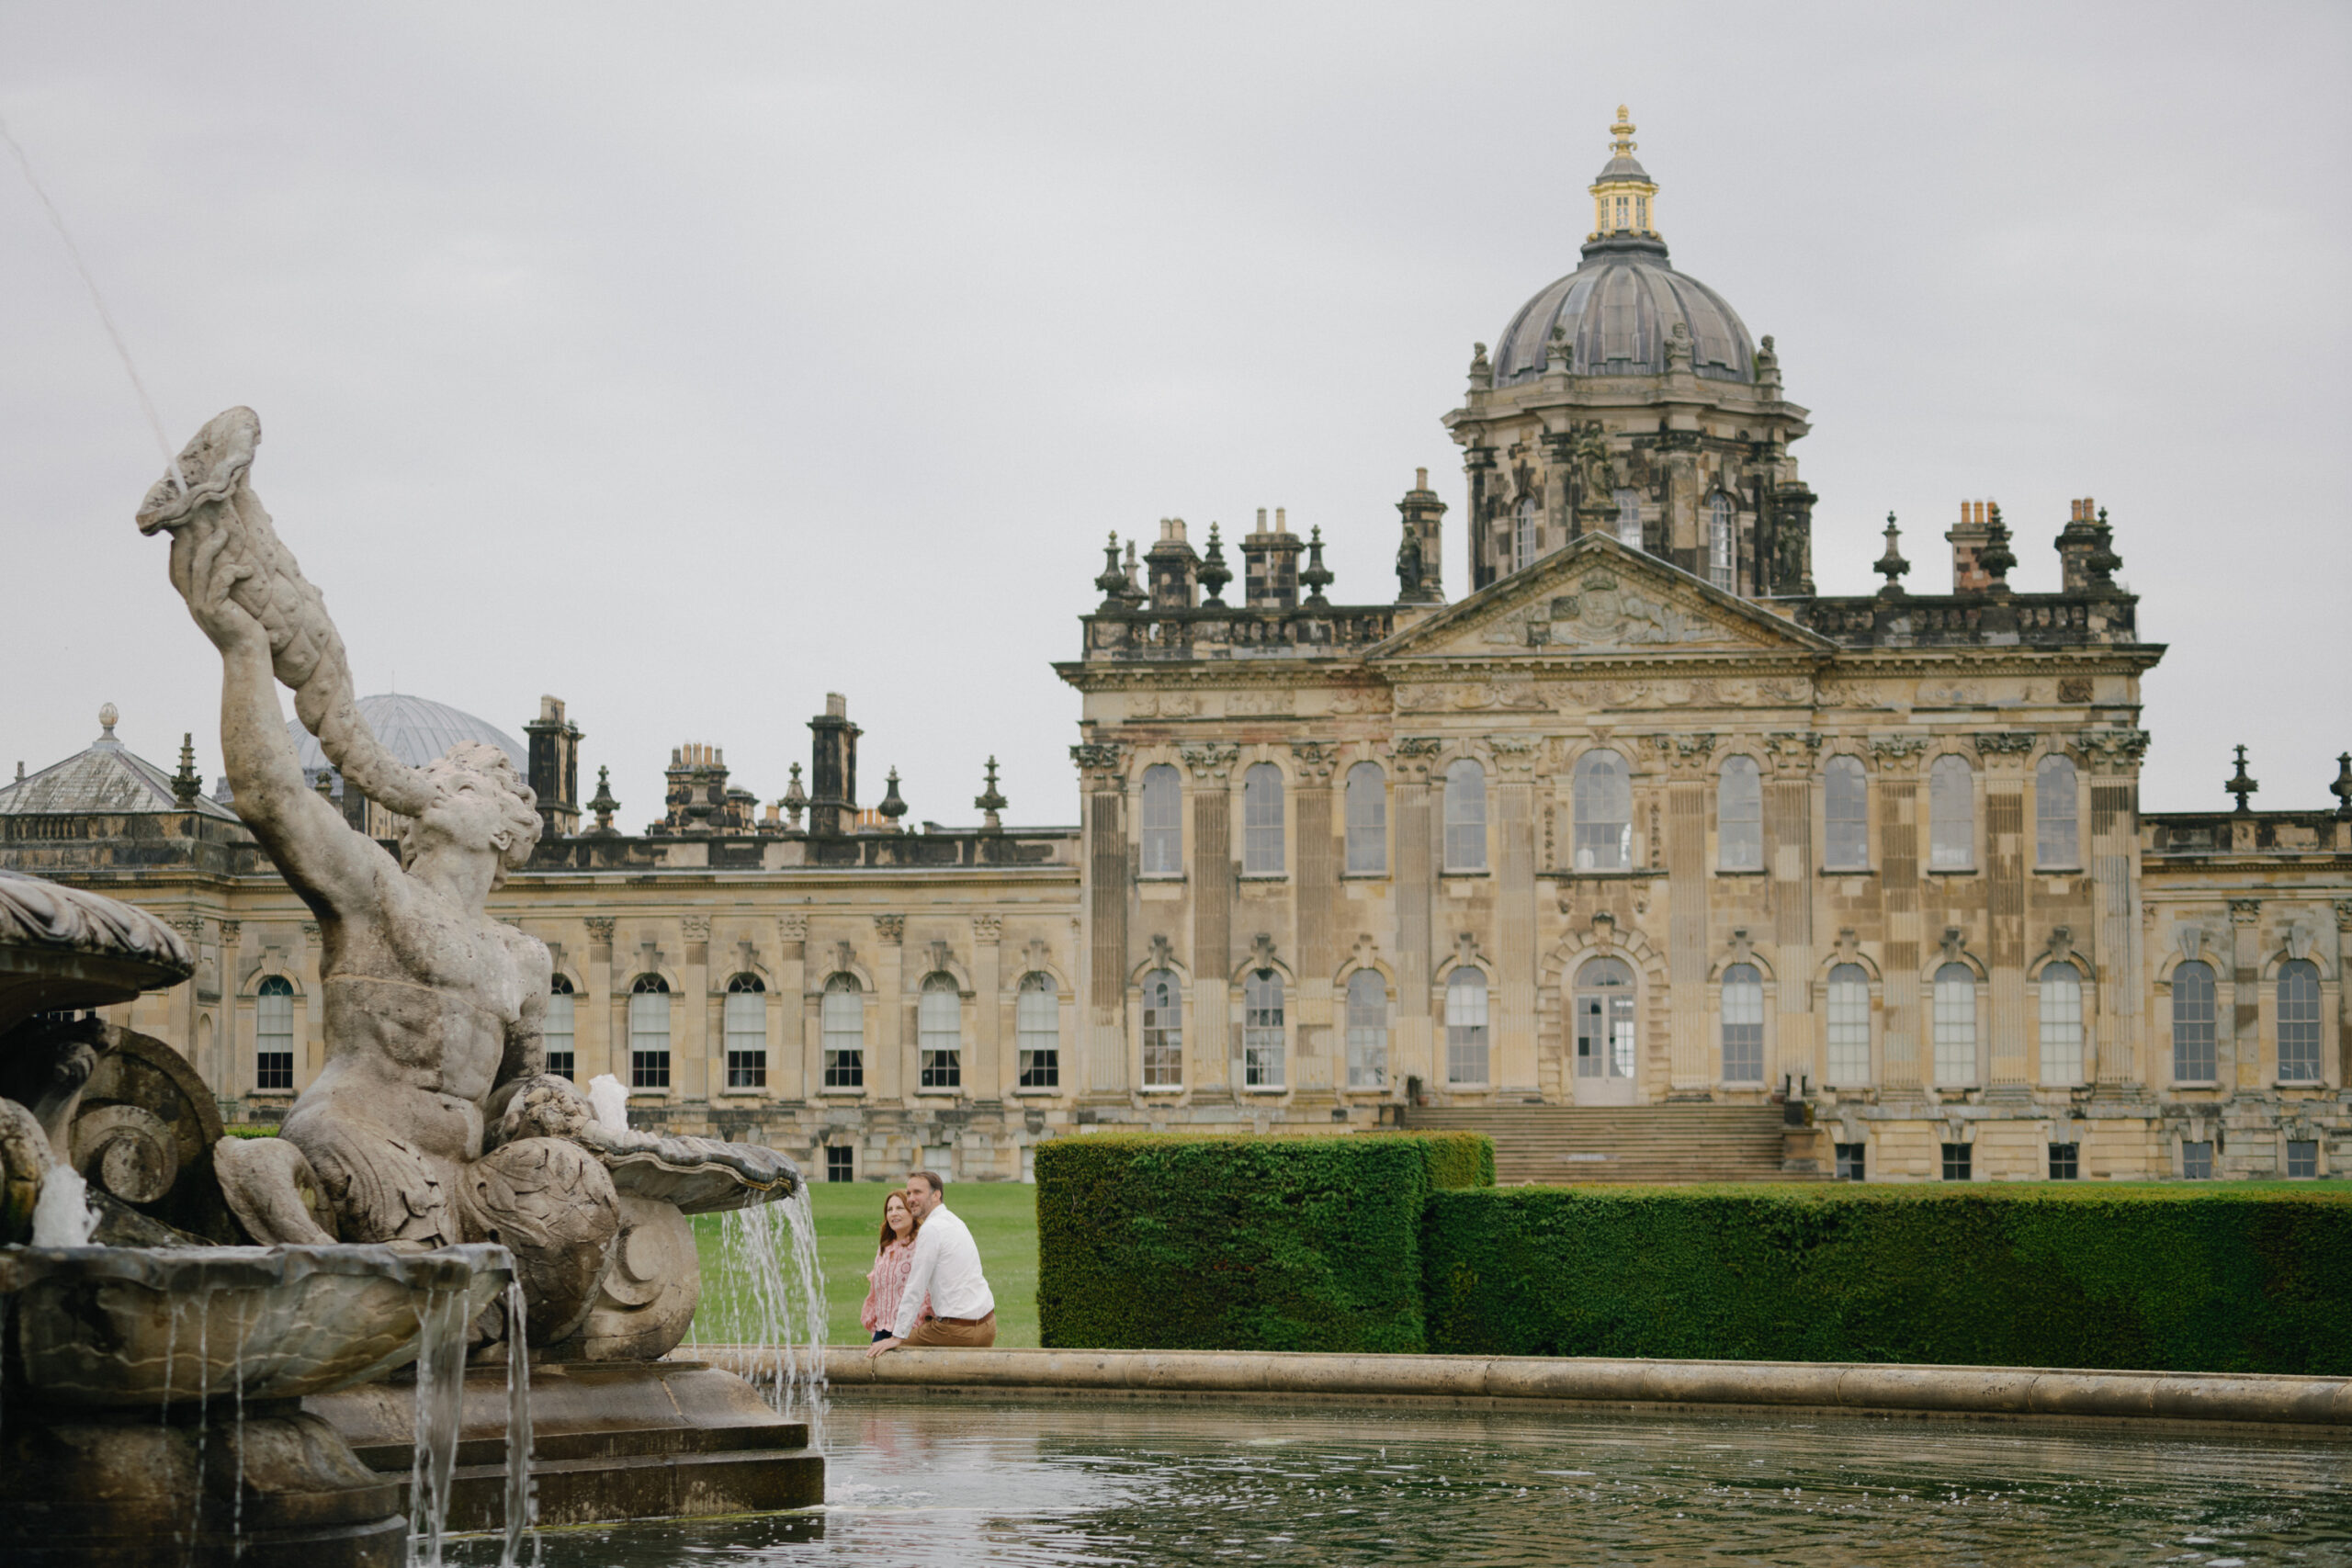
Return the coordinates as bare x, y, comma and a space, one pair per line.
691, 362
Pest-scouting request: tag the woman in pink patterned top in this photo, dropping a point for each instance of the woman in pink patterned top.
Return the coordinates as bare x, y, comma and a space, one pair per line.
887, 1278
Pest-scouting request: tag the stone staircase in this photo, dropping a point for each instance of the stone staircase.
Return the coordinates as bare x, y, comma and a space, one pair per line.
1559, 1145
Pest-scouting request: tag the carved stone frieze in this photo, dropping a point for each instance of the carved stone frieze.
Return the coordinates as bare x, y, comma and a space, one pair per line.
1472, 696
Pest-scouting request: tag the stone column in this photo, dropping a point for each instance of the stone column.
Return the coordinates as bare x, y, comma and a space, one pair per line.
2004, 874
1788, 854
789, 1047
1103, 770
888, 1076
988, 1076
591, 1015
1211, 766
1897, 805
1416, 1004
2114, 757
2241, 1045
691, 1022
1691, 1060
1315, 901
1515, 1058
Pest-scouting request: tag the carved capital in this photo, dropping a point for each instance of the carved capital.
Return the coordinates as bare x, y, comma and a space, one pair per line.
311, 932
1414, 754
891, 929
1793, 750
2244, 911
1210, 761
792, 927
1516, 755
1897, 753
600, 930
2114, 748
2344, 915
695, 928
2005, 742
1099, 764
988, 930
232, 932
1685, 756
1313, 759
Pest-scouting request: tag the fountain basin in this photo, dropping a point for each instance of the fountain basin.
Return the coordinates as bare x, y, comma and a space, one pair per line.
115, 1327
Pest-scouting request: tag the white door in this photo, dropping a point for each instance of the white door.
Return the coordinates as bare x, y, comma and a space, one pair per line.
1602, 1011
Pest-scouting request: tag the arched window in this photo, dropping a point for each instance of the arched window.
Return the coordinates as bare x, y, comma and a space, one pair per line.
840, 1019
1466, 815
745, 1017
2057, 844
1951, 815
1846, 806
1037, 1032
1522, 538
1605, 1019
557, 1029
1465, 1027
1743, 1024
2061, 1024
939, 1034
1262, 821
1164, 821
1367, 1029
1368, 821
1739, 816
2192, 1023
1261, 1030
649, 1033
1849, 1027
1604, 808
274, 1034
1719, 541
1629, 519
2299, 1021
1163, 1031
1955, 1025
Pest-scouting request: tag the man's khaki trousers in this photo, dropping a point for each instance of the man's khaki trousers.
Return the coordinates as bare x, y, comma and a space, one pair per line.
964, 1335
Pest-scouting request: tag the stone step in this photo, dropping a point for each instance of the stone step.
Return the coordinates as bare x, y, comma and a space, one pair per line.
1646, 1145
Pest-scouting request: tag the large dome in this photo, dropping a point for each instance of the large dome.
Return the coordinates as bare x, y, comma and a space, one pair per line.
1619, 308
413, 729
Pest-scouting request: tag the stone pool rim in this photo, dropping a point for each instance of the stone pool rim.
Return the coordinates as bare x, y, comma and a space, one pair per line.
2307, 1404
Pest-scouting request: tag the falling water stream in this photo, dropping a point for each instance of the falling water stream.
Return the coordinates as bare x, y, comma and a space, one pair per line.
521, 1489
766, 1302
440, 1405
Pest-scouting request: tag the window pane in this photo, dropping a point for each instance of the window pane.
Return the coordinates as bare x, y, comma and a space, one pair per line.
1955, 1025
1604, 1010
2055, 840
1037, 1030
1523, 543
1743, 1003
1739, 816
1163, 1031
939, 1034
558, 1031
2299, 1021
2197, 1160
1956, 1162
1262, 821
1847, 802
649, 1039
1367, 1029
2192, 1023
1604, 812
1465, 1027
745, 1017
1951, 814
2061, 1024
1466, 815
274, 1034
1719, 543
1849, 1027
1164, 821
1261, 1030
842, 1019
1367, 820
1629, 518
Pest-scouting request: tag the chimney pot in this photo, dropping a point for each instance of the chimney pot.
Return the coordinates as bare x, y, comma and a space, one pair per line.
836, 706
1420, 478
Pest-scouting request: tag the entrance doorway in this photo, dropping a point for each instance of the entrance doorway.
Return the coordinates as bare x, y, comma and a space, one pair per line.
1603, 1008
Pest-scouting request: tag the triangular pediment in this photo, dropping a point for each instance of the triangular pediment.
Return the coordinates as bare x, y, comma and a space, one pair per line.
1598, 596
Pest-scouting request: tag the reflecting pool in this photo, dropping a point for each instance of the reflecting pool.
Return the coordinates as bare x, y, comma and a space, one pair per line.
950, 1481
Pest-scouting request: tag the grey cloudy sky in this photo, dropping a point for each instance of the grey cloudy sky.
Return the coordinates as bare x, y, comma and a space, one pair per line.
691, 362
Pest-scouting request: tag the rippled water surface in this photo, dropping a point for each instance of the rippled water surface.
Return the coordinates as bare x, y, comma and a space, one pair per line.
954, 1482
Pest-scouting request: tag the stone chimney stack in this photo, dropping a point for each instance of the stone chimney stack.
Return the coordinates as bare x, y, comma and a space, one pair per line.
1968, 538
2078, 543
1421, 558
1173, 567
1271, 570
832, 769
554, 750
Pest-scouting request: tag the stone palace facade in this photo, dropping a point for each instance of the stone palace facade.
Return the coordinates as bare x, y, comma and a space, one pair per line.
1644, 819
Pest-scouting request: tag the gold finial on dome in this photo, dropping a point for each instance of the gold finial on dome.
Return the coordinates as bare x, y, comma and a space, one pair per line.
1625, 198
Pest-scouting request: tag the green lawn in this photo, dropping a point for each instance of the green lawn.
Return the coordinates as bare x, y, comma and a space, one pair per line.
1004, 1217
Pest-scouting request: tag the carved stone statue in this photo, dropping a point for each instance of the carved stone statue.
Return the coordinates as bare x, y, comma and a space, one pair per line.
433, 1121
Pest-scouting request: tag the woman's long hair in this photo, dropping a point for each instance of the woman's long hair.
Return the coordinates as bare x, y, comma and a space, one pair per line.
889, 1236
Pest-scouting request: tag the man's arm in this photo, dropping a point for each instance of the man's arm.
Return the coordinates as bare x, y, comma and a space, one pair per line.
331, 867
924, 1264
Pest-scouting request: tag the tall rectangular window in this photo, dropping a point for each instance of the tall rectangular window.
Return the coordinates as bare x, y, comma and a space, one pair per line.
1163, 1031
1037, 1031
274, 1034
1367, 1029
2057, 844
939, 1029
649, 1033
1629, 519
1955, 1023
1522, 543
1164, 821
2192, 1023
1465, 1027
1739, 816
841, 1020
557, 1029
1849, 1027
2299, 1021
1722, 568
2061, 1024
1466, 815
1262, 821
1368, 821
1603, 796
1263, 1033
1846, 806
1951, 815
1743, 1003
744, 1019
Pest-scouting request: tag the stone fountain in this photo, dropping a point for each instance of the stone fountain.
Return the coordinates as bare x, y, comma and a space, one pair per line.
314, 1347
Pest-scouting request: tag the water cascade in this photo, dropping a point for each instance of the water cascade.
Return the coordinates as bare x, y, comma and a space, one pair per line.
522, 1493
440, 1405
768, 1307
62, 1215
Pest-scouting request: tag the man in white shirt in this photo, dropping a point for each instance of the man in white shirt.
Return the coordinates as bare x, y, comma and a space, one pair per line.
946, 1267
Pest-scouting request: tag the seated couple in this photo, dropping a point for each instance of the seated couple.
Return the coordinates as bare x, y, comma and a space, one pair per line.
927, 1285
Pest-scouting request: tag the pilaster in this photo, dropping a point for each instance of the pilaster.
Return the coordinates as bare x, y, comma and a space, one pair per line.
1101, 767
2004, 757
1788, 854
791, 1074
693, 1018
890, 1076
1317, 888
1415, 1002
989, 1074
591, 1015
1516, 1062
1896, 803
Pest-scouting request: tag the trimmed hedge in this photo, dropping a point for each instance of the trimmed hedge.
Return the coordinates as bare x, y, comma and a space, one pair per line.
2171, 1279
1166, 1243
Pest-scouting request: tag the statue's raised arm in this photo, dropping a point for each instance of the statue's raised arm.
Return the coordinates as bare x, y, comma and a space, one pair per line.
247, 594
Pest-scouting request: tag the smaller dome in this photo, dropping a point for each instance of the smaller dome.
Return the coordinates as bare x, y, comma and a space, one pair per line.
413, 729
